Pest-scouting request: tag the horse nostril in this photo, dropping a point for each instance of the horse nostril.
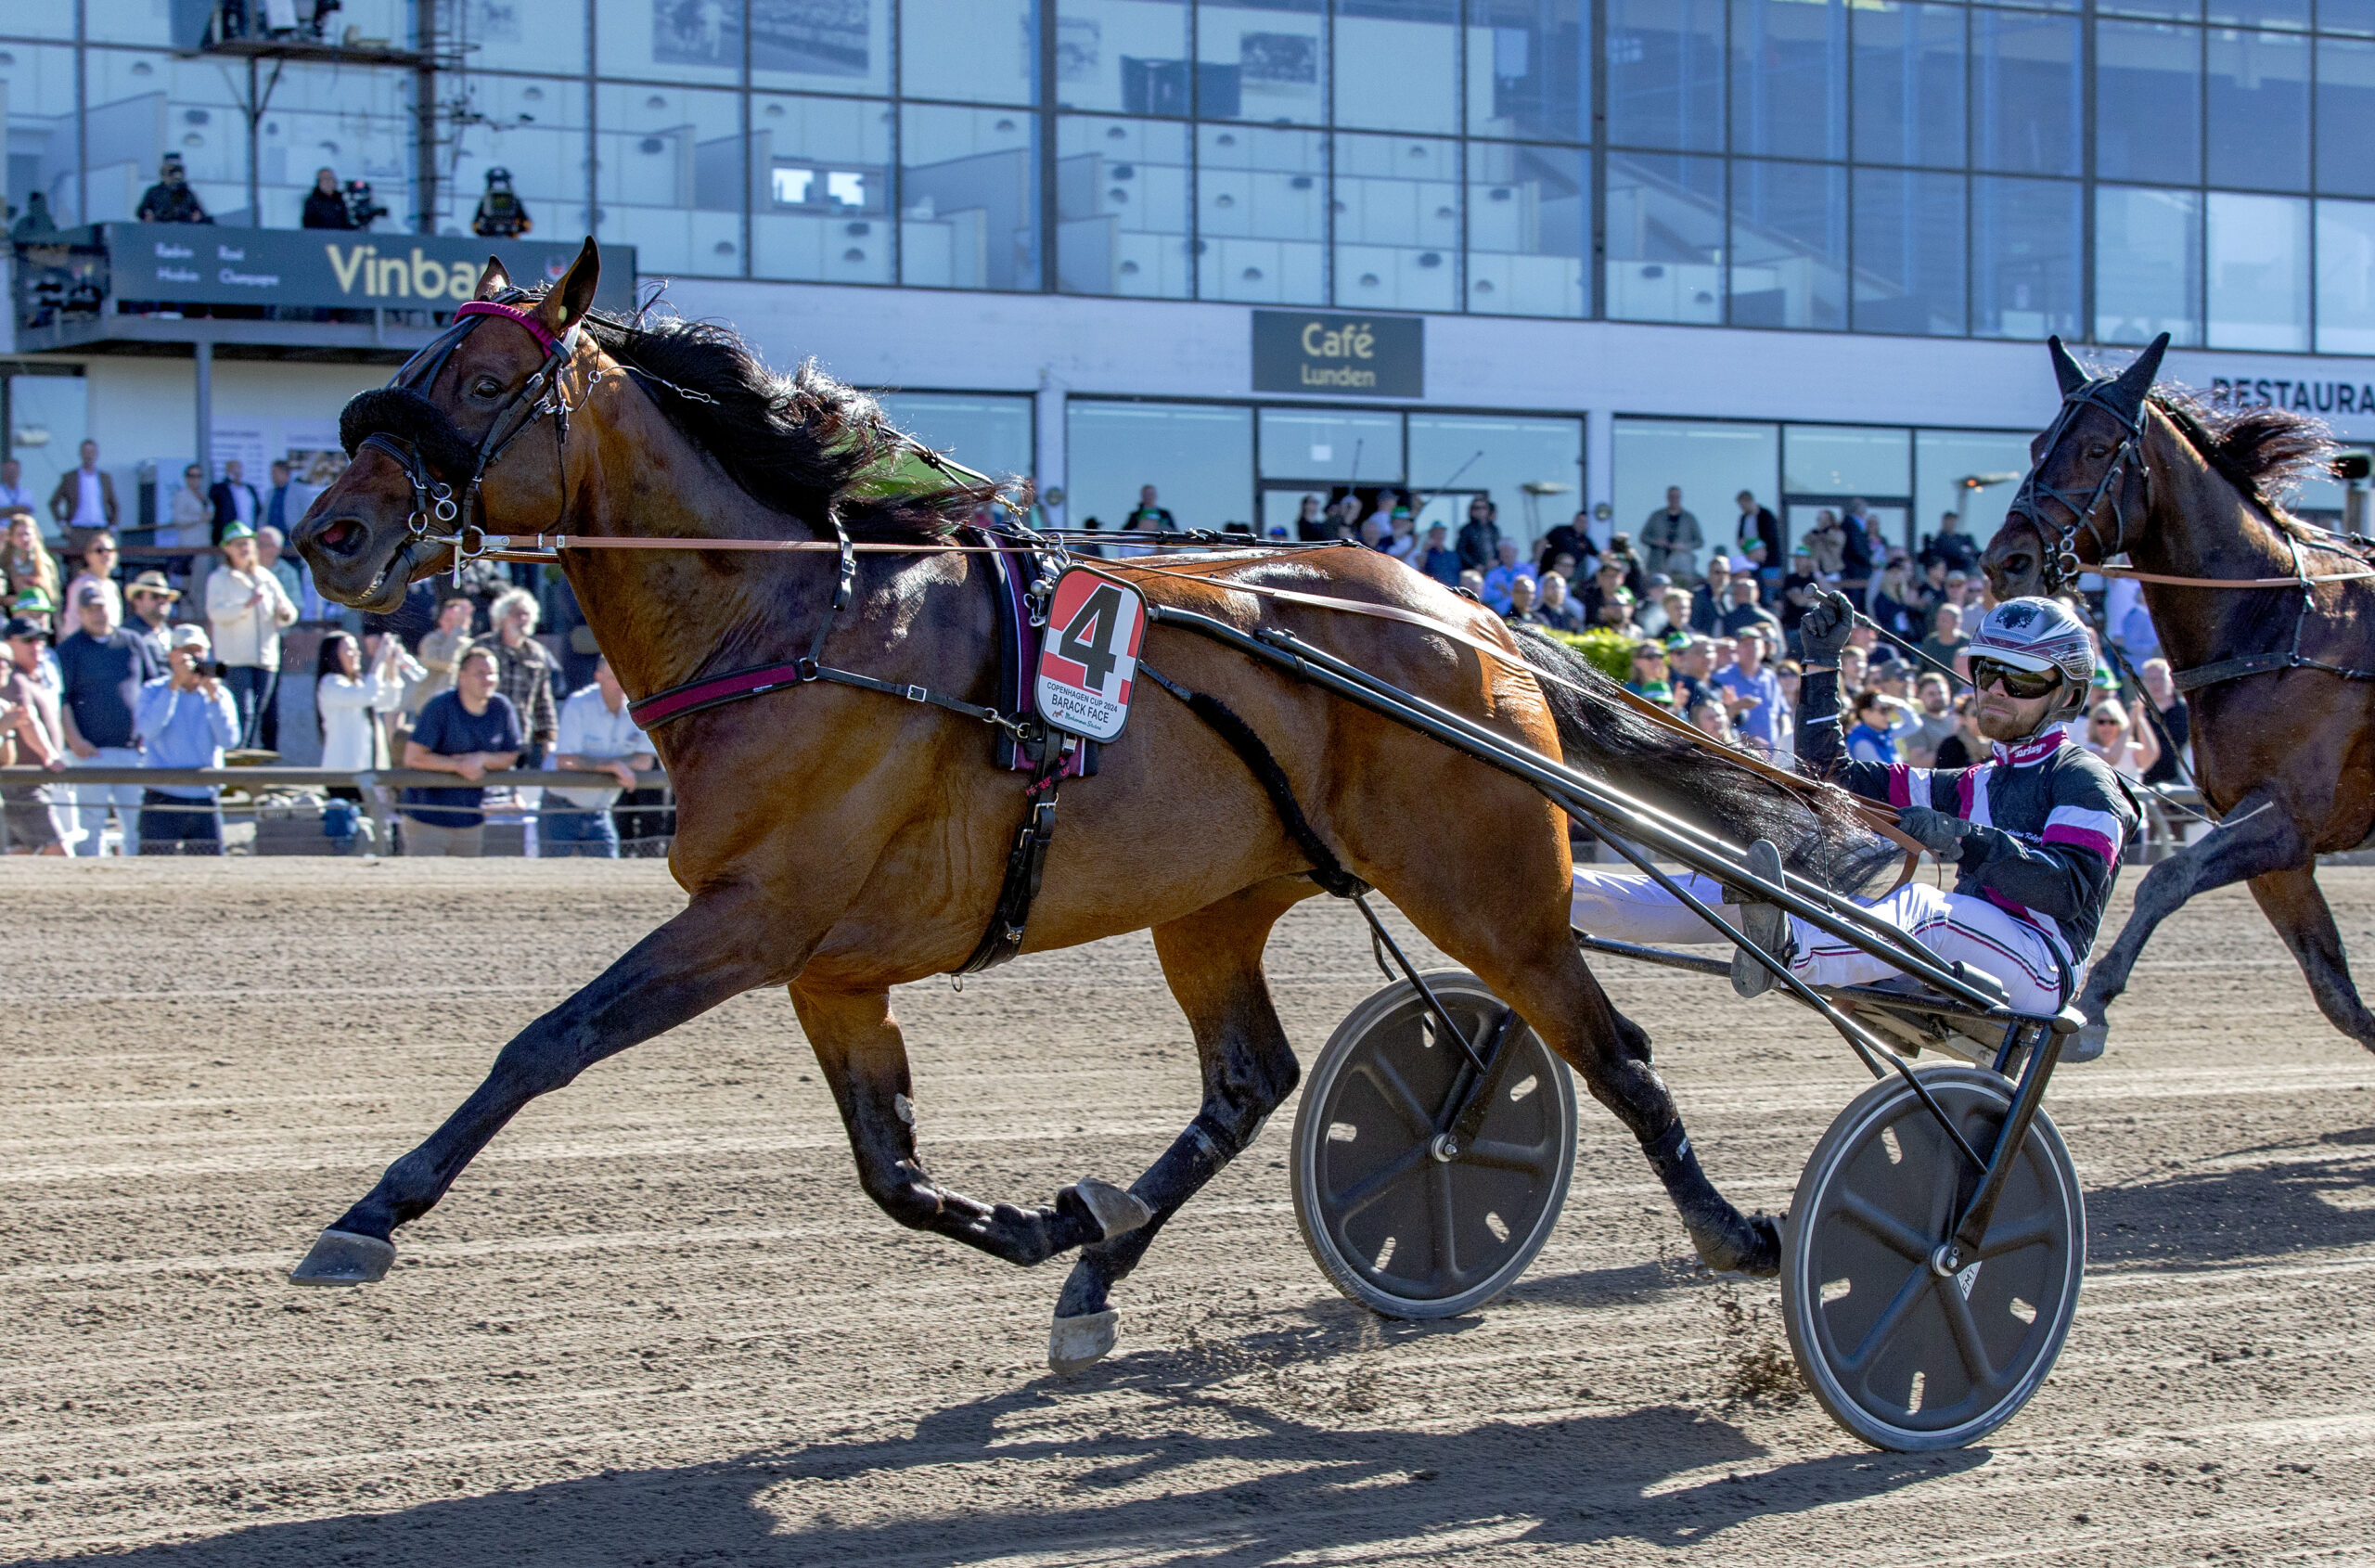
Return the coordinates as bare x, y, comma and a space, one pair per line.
339, 533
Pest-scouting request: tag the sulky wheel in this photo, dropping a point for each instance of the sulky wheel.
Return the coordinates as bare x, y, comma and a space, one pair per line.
1402, 1218
1900, 1355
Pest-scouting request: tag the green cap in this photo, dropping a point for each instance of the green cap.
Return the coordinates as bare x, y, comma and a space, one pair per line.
32, 599
234, 529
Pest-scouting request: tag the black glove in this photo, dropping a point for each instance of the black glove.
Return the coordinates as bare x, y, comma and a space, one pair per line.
1938, 832
1822, 631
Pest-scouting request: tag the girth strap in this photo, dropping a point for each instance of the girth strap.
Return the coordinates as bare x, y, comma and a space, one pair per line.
675, 701
1024, 863
2258, 663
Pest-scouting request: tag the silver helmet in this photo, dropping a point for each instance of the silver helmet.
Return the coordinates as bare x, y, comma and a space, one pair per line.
2038, 634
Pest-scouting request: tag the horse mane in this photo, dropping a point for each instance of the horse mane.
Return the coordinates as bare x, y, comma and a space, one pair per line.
2264, 452
796, 443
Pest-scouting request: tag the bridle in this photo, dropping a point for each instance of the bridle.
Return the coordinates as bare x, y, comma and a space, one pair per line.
2059, 567
435, 502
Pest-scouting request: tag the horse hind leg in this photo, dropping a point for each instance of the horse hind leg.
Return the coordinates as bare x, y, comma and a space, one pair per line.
865, 1059
2296, 906
1212, 960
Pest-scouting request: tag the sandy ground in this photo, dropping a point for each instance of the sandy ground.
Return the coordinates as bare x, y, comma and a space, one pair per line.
657, 1323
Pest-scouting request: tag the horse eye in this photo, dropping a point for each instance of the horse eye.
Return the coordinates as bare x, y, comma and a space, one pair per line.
486, 386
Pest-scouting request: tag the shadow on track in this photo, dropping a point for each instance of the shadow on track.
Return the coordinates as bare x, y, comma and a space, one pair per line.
2308, 1194
1552, 1483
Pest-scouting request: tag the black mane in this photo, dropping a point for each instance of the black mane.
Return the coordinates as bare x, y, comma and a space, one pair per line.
2264, 452
795, 444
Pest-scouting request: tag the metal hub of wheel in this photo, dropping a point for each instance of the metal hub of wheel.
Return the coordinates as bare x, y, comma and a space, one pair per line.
1401, 1216
1909, 1343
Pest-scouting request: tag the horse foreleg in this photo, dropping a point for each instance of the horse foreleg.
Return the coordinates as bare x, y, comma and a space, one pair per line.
2257, 838
1212, 960
703, 956
865, 1059
2296, 906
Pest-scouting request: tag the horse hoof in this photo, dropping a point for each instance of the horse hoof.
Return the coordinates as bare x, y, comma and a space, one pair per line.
2088, 1044
1118, 1212
341, 1257
1753, 1251
1076, 1344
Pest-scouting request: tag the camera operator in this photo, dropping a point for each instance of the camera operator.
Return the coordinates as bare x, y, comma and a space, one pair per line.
326, 204
501, 214
185, 718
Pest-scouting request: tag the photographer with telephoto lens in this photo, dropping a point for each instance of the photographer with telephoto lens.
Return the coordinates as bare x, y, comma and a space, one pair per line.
184, 719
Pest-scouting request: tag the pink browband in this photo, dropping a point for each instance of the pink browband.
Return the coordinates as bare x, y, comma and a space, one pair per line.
511, 313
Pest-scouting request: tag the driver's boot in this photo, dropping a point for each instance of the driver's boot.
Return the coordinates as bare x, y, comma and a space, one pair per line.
1767, 925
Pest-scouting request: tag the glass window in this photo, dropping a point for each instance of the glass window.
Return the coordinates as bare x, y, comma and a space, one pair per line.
820, 189
840, 47
498, 35
1348, 444
1789, 247
1845, 460
48, 416
671, 176
1261, 59
665, 40
1398, 64
1910, 83
1528, 225
1397, 222
2257, 250
1945, 464
142, 106
2025, 237
2346, 117
38, 83
1122, 208
1666, 239
1529, 69
1125, 56
2148, 102
1910, 258
974, 51
2345, 278
2148, 265
1260, 214
1789, 78
2262, 13
987, 433
1665, 73
2174, 10
2346, 15
2258, 110
532, 127
1709, 462
2026, 91
1199, 458
1531, 469
969, 198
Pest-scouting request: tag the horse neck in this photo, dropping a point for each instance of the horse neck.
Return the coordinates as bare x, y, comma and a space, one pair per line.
2200, 525
665, 617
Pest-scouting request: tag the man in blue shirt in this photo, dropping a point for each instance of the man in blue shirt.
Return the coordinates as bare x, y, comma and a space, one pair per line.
470, 731
1755, 694
103, 668
1497, 581
184, 719
597, 735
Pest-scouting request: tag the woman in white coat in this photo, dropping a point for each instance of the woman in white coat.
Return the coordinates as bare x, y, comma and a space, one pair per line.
350, 702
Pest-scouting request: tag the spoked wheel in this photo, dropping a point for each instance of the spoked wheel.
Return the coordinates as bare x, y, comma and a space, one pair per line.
1402, 1219
1900, 1355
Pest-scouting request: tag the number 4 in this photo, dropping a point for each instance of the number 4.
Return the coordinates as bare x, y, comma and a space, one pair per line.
1089, 640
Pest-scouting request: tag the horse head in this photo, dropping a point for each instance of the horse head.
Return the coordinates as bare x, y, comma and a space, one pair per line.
441, 448
2070, 508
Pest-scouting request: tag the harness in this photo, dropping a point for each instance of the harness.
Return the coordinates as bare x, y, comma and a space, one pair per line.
2061, 567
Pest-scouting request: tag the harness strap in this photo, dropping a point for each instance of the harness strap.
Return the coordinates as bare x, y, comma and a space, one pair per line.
2255, 664
1024, 865
675, 701
1326, 869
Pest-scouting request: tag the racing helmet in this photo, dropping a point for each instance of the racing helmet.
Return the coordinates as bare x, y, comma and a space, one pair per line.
2038, 634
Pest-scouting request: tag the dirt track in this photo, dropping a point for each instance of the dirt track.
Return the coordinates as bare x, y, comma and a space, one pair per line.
657, 1323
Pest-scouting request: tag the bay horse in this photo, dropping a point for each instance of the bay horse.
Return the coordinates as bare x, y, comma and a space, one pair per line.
2267, 626
837, 842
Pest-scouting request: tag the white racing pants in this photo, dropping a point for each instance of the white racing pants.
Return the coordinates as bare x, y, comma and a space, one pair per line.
1627, 906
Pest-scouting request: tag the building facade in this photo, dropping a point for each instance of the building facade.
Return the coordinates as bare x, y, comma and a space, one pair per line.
1803, 247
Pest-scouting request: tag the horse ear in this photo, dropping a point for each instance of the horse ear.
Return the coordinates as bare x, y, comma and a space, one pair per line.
566, 303
2066, 370
494, 281
2128, 392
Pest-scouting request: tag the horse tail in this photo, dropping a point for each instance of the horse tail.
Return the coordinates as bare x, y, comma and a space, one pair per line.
1818, 830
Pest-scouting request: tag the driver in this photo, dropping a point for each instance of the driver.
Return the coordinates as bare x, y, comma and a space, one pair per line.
2035, 834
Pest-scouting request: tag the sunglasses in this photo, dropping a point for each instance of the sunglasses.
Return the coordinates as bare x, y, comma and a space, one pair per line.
2023, 684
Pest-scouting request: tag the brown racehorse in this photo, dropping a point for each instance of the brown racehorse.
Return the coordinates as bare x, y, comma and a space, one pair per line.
2282, 700
838, 843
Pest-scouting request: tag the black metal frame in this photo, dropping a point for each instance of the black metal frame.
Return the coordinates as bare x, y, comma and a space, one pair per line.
1637, 830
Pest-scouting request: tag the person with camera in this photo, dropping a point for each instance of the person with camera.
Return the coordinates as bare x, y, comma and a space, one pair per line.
470, 731
185, 718
501, 213
326, 204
